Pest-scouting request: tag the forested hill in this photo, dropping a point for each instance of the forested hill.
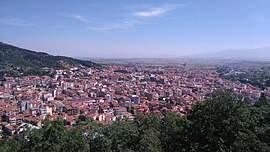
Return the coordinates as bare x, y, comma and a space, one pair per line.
16, 61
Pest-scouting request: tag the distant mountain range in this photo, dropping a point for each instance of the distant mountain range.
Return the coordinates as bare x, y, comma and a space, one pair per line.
16, 61
241, 54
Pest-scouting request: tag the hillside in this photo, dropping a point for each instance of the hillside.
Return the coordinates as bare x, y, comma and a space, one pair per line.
242, 54
15, 61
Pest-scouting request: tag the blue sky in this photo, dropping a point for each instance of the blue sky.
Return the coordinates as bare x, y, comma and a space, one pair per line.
134, 28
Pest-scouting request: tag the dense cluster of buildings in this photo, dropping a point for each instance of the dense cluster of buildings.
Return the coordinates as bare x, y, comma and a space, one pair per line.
106, 95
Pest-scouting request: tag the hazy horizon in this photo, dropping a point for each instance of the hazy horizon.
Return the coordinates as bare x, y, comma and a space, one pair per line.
135, 28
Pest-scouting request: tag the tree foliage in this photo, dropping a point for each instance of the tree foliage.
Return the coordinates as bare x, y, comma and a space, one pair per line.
16, 61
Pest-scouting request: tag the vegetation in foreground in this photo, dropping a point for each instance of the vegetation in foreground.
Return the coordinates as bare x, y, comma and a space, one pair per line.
221, 123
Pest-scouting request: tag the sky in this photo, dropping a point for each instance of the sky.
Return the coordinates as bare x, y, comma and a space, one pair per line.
134, 28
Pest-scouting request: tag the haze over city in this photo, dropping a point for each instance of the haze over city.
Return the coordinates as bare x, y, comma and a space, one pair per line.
171, 28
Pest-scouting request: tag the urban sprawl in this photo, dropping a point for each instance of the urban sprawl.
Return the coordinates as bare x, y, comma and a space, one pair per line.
108, 94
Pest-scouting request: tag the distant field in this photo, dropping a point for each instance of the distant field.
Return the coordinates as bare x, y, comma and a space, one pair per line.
188, 63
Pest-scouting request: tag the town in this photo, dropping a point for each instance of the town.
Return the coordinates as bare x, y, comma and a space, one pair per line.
108, 94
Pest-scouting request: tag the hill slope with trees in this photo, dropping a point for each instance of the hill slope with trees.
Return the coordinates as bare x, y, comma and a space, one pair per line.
15, 61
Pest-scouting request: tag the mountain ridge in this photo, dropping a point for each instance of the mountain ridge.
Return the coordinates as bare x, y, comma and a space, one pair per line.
242, 54
15, 61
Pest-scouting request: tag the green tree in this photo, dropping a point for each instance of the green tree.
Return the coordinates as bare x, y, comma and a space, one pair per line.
76, 141
261, 119
150, 141
7, 145
217, 123
52, 137
82, 118
173, 132
96, 139
123, 134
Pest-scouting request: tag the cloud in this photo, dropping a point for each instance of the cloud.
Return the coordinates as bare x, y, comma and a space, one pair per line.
157, 11
122, 26
79, 17
129, 18
152, 12
15, 22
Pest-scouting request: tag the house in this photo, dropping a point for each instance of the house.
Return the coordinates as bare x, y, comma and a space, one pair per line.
119, 110
71, 110
33, 121
110, 118
135, 99
101, 117
19, 119
70, 120
12, 129
151, 95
